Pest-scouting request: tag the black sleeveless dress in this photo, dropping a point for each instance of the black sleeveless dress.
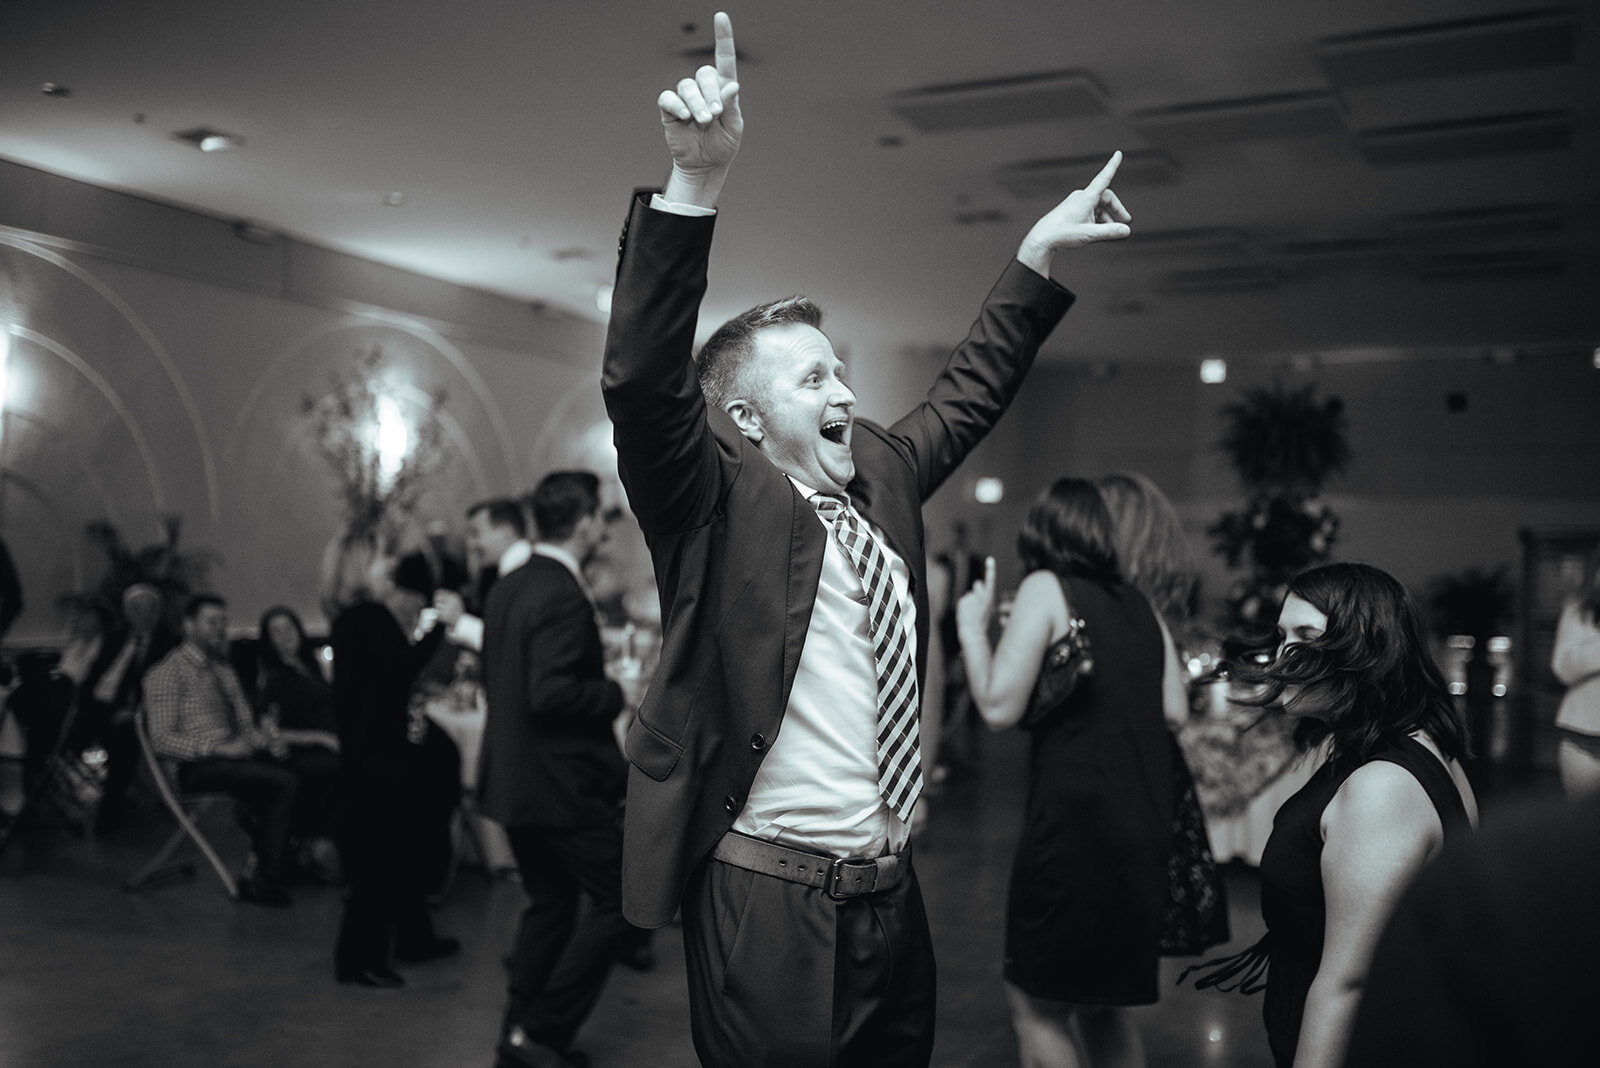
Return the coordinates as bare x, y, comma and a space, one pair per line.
1089, 883
1292, 899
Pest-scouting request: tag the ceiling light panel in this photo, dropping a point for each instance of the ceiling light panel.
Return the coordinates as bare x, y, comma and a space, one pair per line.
1260, 118
1504, 224
1052, 177
1450, 49
1495, 135
1001, 102
1220, 280
1203, 243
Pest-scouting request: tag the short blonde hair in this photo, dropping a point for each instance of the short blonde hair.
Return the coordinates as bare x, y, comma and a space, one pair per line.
347, 571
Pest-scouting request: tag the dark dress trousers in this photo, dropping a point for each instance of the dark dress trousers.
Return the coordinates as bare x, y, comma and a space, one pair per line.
550, 773
738, 551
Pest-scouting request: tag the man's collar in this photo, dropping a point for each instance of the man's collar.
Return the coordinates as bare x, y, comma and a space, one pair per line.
562, 556
515, 556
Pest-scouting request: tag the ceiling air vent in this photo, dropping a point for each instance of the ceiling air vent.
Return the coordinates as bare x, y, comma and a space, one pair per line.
1060, 175
1259, 118
1001, 101
1479, 266
980, 217
1206, 243
1505, 224
1221, 280
1450, 49
1494, 135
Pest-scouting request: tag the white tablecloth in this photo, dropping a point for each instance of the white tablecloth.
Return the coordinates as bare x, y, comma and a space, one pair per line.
464, 725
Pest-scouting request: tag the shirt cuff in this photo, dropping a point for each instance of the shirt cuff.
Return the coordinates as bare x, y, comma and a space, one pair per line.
661, 203
468, 631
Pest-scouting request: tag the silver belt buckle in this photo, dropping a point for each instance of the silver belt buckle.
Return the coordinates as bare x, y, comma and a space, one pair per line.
837, 873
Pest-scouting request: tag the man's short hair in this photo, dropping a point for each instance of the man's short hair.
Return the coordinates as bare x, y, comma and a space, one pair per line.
197, 601
503, 512
726, 353
561, 501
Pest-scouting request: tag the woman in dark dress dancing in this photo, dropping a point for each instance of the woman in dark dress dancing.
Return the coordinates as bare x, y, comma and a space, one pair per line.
1354, 668
374, 666
1089, 883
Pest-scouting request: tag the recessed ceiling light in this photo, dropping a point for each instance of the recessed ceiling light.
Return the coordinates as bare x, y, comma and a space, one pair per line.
55, 89
207, 139
394, 198
1213, 370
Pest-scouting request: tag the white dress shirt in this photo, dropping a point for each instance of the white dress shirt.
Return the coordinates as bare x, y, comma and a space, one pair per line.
817, 789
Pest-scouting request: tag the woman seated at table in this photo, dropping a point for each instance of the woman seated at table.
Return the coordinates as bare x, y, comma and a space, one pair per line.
295, 699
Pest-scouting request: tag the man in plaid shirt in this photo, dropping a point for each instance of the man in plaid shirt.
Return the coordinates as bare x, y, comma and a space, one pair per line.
200, 718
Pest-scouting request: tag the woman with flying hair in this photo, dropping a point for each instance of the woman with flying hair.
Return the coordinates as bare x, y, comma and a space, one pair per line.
1353, 669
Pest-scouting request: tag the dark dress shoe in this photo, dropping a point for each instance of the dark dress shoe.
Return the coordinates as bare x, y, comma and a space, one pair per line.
437, 949
517, 1050
381, 978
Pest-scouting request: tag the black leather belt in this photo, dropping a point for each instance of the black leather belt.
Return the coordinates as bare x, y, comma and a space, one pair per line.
839, 878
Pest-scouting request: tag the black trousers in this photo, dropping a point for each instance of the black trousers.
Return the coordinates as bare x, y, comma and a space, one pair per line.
564, 953
265, 789
385, 898
783, 974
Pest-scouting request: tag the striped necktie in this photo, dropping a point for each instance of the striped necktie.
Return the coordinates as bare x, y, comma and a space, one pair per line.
899, 747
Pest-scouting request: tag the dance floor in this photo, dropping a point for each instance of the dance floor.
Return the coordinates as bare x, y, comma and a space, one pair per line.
178, 975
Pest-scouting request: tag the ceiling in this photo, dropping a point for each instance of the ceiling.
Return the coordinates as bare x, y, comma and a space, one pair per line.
1355, 179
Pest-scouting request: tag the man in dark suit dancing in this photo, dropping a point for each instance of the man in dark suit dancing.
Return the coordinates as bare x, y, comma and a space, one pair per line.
550, 772
788, 548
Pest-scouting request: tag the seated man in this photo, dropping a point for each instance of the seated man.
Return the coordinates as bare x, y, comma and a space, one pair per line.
200, 717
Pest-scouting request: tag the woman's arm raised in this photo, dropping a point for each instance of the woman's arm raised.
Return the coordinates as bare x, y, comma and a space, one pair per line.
1002, 679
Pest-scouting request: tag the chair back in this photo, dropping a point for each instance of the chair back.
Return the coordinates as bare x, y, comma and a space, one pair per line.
163, 772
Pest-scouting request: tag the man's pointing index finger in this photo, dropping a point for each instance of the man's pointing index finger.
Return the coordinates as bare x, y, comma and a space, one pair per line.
1102, 181
727, 64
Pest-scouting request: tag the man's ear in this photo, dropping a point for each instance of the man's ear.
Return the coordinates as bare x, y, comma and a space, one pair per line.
747, 419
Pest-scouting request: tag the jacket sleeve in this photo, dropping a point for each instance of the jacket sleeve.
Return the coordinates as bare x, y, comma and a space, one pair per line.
666, 453
983, 374
563, 691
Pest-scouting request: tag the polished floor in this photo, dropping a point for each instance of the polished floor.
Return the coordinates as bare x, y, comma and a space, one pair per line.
179, 976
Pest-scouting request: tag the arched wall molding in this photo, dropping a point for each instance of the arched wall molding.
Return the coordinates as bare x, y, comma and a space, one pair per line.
436, 342
157, 349
158, 497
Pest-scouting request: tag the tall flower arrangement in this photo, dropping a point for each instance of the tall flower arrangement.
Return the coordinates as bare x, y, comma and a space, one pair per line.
382, 452
1284, 444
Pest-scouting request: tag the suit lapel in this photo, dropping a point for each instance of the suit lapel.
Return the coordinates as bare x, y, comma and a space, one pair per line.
807, 539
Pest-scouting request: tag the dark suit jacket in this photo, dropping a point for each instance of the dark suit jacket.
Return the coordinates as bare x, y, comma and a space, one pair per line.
738, 551
130, 689
549, 758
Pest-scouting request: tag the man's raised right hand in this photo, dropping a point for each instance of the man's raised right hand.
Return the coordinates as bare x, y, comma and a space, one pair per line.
703, 125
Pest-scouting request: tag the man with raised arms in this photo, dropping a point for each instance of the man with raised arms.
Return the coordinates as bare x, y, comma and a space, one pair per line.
775, 761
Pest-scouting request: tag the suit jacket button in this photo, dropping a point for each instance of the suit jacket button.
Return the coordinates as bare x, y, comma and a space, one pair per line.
757, 742
731, 805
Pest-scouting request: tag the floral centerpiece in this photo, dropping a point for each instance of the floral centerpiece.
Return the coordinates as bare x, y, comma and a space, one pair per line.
381, 455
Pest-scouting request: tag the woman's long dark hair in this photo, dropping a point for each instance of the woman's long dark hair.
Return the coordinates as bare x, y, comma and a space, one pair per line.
270, 658
1371, 668
1068, 531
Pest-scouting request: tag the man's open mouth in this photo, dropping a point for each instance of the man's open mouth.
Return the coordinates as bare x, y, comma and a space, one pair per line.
834, 430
